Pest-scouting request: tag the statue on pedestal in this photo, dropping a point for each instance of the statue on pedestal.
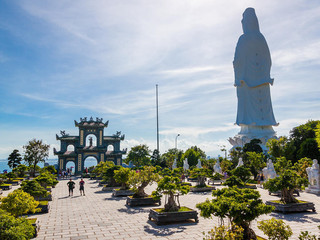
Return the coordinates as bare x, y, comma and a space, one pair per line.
252, 64
174, 165
313, 177
185, 165
268, 171
240, 163
199, 164
217, 168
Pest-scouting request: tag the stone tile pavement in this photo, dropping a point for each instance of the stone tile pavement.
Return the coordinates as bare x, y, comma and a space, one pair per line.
98, 215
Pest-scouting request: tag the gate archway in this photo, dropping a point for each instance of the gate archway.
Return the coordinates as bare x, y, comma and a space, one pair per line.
90, 142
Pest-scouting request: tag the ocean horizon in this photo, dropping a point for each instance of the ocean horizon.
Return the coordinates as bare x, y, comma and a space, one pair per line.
4, 164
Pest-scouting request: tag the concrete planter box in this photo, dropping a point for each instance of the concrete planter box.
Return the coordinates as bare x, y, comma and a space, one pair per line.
109, 189
101, 183
6, 187
203, 189
216, 182
36, 226
44, 208
192, 179
47, 198
142, 201
292, 207
13, 183
121, 193
253, 186
169, 217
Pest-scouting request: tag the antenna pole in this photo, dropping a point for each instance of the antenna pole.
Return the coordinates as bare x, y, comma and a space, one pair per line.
157, 118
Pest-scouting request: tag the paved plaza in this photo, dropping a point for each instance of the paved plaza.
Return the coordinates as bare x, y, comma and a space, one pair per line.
98, 215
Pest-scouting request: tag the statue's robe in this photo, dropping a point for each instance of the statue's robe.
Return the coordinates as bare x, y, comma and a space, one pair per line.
252, 64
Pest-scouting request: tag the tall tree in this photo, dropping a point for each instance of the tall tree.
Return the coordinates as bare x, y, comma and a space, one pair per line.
35, 152
14, 159
281, 147
170, 155
139, 155
193, 154
304, 139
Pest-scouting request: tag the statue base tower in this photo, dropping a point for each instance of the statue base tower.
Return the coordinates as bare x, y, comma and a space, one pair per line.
248, 133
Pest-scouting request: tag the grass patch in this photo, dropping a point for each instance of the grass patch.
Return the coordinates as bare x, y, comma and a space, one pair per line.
43, 202
5, 184
181, 209
32, 220
281, 202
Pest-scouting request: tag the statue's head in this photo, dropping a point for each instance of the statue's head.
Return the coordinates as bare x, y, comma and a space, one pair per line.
249, 21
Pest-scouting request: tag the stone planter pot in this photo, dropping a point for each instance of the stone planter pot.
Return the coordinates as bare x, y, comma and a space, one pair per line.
47, 198
13, 183
36, 226
292, 207
121, 193
169, 217
6, 187
203, 189
141, 201
44, 208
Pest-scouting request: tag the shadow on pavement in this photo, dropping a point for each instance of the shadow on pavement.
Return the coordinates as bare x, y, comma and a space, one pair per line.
115, 198
133, 210
296, 217
167, 230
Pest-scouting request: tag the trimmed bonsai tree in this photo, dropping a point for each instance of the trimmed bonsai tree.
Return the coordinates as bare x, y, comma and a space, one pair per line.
234, 181
287, 181
240, 206
172, 188
201, 174
275, 229
18, 203
34, 189
46, 179
122, 176
108, 174
21, 170
141, 179
14, 228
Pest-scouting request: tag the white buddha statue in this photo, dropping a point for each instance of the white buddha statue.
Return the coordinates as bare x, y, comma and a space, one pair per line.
185, 165
217, 168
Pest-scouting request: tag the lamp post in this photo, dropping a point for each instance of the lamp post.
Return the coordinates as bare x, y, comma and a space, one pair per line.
176, 140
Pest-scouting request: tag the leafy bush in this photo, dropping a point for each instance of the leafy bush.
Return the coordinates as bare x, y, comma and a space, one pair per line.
11, 175
224, 233
122, 176
51, 169
234, 181
172, 187
141, 179
241, 172
240, 206
201, 174
21, 170
18, 203
46, 179
275, 229
34, 189
108, 174
12, 228
217, 176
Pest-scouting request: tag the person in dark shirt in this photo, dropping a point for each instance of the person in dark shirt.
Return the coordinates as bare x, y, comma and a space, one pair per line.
71, 184
81, 183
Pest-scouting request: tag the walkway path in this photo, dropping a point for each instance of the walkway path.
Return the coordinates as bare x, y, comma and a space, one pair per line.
98, 215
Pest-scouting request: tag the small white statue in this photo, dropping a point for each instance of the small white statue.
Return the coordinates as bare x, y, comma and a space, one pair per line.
268, 171
199, 164
240, 163
217, 168
185, 165
313, 174
174, 165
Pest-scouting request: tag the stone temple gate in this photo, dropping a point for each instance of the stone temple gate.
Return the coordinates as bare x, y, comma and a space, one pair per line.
77, 148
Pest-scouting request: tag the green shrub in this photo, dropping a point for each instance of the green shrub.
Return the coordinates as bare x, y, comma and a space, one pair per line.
217, 176
275, 229
122, 176
18, 203
34, 189
306, 236
46, 179
224, 233
12, 228
234, 181
240, 206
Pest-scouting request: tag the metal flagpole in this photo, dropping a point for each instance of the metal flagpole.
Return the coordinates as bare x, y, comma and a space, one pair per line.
157, 118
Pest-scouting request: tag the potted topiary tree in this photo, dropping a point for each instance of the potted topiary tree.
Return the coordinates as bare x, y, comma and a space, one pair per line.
217, 178
107, 174
240, 177
240, 206
172, 188
122, 177
287, 182
201, 174
139, 180
275, 229
36, 190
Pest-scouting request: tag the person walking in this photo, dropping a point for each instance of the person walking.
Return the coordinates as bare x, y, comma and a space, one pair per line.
71, 185
81, 183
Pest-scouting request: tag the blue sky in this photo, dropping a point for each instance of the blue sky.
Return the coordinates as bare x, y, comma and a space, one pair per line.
62, 60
